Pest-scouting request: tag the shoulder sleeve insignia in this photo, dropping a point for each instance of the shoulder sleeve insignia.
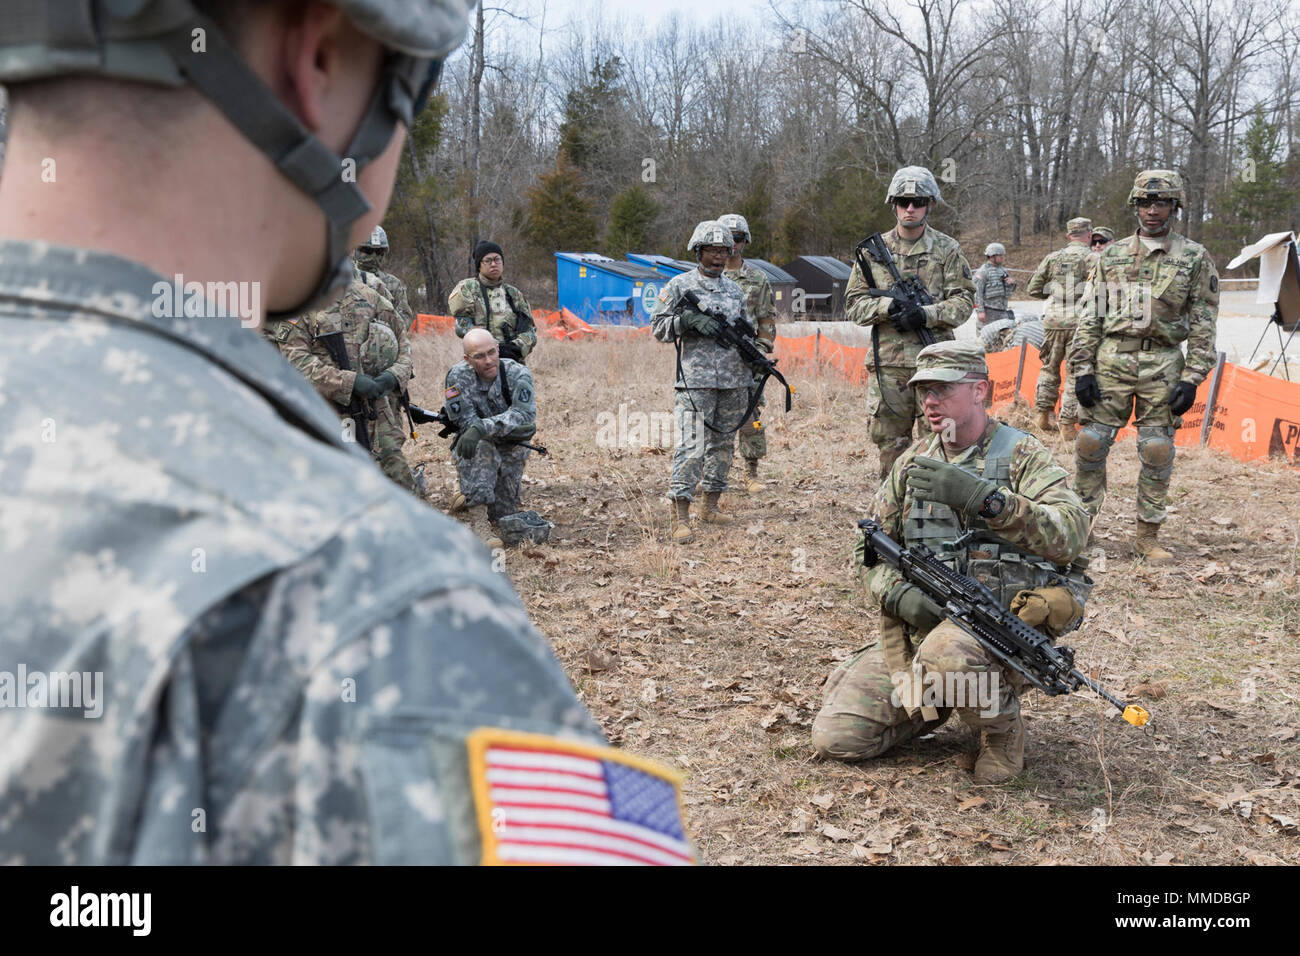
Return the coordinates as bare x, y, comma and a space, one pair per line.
452, 391
546, 800
965, 270
1214, 283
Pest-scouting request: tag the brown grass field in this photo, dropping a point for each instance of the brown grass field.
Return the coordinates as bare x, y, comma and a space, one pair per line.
711, 657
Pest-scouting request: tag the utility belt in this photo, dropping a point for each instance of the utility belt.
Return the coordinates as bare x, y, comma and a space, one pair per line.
1136, 344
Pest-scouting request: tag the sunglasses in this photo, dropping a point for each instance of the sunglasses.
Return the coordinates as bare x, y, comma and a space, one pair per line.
1099, 242
1157, 203
914, 203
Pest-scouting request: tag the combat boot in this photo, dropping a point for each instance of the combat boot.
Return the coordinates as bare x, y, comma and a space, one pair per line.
681, 527
481, 525
1068, 432
1002, 755
710, 513
1145, 545
752, 485
458, 503
1043, 420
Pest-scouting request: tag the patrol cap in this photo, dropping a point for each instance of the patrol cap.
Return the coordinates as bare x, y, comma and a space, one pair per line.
1105, 232
950, 362
1079, 226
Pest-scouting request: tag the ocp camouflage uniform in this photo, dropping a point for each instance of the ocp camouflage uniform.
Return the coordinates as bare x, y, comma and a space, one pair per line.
937, 261
760, 305
992, 293
1041, 531
714, 386
507, 406
1060, 279
393, 289
370, 329
1145, 298
501, 309
294, 652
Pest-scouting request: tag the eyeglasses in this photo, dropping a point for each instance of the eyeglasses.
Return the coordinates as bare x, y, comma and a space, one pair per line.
914, 203
1156, 203
491, 261
941, 393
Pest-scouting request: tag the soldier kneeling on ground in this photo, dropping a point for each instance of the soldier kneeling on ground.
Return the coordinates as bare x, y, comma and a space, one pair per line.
989, 500
492, 403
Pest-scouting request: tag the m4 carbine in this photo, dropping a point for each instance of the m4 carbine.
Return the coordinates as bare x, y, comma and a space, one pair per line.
908, 291
450, 427
976, 610
740, 336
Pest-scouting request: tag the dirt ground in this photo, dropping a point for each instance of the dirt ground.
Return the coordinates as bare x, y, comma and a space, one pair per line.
711, 657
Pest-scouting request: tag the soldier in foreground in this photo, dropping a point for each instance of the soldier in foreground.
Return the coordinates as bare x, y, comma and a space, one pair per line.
972, 474
491, 401
301, 663
761, 306
935, 259
1148, 294
485, 302
1060, 279
367, 388
712, 392
993, 287
370, 260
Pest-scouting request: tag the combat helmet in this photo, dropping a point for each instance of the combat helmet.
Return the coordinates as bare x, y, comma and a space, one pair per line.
379, 350
737, 224
1158, 184
913, 182
710, 232
378, 240
153, 41
524, 526
995, 249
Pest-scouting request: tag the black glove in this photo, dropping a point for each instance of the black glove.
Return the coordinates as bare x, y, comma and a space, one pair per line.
1181, 398
386, 381
909, 603
1087, 391
906, 316
508, 349
366, 387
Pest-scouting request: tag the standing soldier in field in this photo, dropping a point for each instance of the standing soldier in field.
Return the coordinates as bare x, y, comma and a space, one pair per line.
993, 287
485, 302
761, 306
1148, 294
714, 387
1060, 279
369, 259
935, 259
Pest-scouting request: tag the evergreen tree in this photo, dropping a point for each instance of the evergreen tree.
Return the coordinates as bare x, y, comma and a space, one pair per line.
631, 215
560, 215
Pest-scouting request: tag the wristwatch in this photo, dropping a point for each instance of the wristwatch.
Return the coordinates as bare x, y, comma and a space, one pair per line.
994, 505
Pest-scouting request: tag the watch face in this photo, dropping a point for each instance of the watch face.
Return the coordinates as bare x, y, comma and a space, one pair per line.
994, 504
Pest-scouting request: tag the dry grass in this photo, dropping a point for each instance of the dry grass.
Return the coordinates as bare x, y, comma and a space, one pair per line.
711, 657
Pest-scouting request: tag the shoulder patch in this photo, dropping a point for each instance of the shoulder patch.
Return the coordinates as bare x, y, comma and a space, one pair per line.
965, 270
1214, 283
452, 392
542, 799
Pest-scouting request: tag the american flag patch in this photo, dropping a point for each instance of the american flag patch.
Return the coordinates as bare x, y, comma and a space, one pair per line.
545, 800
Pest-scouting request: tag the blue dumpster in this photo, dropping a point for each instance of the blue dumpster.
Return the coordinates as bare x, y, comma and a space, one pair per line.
781, 281
597, 288
664, 265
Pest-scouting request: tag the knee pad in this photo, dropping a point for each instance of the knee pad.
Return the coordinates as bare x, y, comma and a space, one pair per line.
1156, 450
1093, 445
840, 738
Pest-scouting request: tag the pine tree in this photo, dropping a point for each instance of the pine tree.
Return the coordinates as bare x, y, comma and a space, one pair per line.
560, 215
631, 215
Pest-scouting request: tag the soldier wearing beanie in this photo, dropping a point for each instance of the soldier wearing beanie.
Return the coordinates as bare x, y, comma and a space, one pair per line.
483, 301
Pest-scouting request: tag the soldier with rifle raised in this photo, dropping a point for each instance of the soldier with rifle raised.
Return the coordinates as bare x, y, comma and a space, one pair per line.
912, 287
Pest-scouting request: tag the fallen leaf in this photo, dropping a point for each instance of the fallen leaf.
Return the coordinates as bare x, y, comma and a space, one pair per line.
971, 804
1154, 690
800, 821
649, 691
823, 800
1211, 570
837, 834
870, 851
1286, 733
1164, 859
597, 660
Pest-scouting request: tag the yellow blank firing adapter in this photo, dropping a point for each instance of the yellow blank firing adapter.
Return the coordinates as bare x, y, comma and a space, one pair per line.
1136, 716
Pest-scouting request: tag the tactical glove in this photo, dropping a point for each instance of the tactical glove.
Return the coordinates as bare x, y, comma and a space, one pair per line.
763, 345
909, 603
366, 387
906, 316
508, 349
386, 381
521, 432
1050, 609
467, 441
1087, 391
705, 325
1182, 397
934, 480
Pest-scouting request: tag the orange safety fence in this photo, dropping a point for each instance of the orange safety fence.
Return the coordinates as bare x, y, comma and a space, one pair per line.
1255, 416
811, 352
432, 323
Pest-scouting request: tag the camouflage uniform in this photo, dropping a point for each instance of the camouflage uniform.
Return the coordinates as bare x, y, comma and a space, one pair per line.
494, 475
991, 293
1142, 304
466, 303
390, 429
714, 387
937, 261
1060, 278
390, 287
760, 305
363, 317
293, 650
1041, 531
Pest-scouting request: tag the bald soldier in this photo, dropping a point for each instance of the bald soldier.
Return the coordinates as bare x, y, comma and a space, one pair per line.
491, 400
990, 502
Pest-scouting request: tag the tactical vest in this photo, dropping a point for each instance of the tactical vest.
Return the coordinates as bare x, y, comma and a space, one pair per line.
978, 551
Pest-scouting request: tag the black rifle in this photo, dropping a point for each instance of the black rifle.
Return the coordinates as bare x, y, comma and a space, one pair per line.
357, 410
977, 611
451, 427
738, 335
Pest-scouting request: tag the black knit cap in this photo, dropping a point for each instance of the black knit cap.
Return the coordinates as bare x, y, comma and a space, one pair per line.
485, 248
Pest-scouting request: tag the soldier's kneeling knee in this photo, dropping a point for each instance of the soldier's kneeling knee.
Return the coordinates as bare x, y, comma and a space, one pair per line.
846, 738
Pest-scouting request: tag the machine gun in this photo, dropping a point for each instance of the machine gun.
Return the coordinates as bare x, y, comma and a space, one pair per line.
977, 611
450, 427
741, 337
907, 291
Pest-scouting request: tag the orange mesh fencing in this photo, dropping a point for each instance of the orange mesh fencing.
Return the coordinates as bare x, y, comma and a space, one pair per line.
812, 352
432, 323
